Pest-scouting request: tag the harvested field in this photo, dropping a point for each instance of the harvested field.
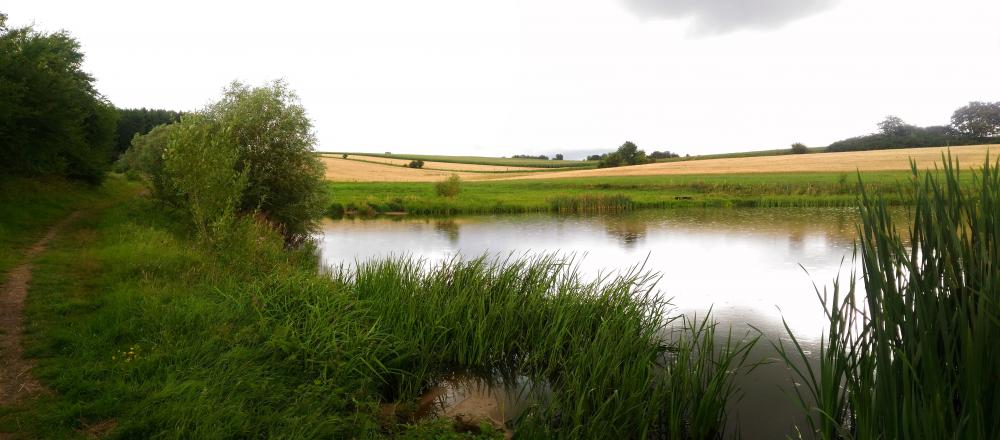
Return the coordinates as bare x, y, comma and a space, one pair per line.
877, 160
346, 170
447, 166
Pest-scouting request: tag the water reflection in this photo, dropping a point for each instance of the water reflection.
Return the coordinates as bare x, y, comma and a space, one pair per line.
752, 267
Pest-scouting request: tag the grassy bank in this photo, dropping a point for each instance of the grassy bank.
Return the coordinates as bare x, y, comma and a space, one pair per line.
30, 206
637, 192
140, 331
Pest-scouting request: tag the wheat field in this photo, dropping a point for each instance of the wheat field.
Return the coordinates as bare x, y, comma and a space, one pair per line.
341, 170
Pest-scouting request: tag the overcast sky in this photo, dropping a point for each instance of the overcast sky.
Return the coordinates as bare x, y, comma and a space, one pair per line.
545, 76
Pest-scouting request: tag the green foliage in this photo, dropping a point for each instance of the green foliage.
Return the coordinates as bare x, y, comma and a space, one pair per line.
627, 154
558, 157
257, 142
449, 187
799, 148
202, 164
970, 127
657, 155
146, 156
528, 156
415, 164
913, 355
591, 203
978, 119
52, 120
133, 122
273, 140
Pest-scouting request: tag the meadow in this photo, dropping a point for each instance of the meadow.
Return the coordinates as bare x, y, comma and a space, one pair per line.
641, 192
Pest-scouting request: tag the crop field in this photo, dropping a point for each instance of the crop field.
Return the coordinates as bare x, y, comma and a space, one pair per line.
479, 160
347, 170
878, 160
366, 168
443, 166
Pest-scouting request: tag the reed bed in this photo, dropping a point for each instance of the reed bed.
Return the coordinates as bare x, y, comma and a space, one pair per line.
613, 362
591, 204
914, 354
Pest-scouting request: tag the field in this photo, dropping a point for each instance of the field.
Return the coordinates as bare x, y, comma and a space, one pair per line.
444, 166
340, 170
827, 179
480, 160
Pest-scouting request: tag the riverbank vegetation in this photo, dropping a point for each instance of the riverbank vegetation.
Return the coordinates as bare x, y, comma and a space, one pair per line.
912, 354
643, 192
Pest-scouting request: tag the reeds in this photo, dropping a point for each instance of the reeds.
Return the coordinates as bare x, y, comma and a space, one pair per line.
914, 354
591, 204
611, 361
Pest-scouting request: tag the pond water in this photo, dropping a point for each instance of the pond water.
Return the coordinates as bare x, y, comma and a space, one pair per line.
751, 267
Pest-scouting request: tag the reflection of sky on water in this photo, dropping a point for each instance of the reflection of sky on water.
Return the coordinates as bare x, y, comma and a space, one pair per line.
744, 264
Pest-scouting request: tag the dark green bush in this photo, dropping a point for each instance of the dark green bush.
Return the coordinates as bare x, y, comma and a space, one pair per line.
449, 187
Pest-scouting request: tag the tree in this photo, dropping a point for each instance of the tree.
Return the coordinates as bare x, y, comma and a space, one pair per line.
137, 121
594, 157
799, 148
261, 141
416, 164
893, 126
978, 119
558, 157
627, 154
52, 119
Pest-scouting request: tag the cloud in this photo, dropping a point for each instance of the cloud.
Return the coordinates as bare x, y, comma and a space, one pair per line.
721, 16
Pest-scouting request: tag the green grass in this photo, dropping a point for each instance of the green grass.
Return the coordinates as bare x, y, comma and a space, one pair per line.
643, 192
131, 320
479, 160
28, 207
915, 355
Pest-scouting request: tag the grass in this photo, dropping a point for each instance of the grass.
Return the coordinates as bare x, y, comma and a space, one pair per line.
480, 160
914, 356
136, 325
643, 192
29, 206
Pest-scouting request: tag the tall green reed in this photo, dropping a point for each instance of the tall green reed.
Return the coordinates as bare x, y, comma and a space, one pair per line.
913, 355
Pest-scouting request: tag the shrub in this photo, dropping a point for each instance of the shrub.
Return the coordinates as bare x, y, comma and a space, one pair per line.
201, 163
449, 187
799, 148
335, 210
146, 156
343, 156
416, 164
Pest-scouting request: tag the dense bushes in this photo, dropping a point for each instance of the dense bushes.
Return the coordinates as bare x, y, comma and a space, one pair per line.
249, 153
52, 120
799, 148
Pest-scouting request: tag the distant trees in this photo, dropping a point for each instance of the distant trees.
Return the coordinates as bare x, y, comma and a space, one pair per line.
528, 156
627, 154
558, 156
975, 123
52, 119
594, 157
978, 119
415, 164
799, 148
657, 155
137, 121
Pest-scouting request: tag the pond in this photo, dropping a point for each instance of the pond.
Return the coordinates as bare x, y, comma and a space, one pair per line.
750, 267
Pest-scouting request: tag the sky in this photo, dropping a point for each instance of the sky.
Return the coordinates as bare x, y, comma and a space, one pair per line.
504, 77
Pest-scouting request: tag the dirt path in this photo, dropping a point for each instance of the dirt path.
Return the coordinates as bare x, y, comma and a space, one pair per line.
16, 380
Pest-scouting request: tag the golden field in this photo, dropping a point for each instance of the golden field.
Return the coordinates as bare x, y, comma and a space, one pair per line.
342, 170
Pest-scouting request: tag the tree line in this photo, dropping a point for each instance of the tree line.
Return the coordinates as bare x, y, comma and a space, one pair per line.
975, 123
53, 121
